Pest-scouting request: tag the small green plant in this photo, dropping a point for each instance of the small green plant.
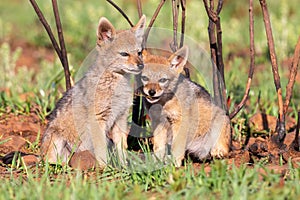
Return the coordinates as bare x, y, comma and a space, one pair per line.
4, 140
33, 147
38, 91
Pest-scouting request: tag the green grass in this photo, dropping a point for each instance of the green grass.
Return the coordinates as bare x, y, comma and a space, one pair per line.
222, 182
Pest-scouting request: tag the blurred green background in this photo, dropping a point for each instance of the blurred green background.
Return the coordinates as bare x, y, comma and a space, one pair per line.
21, 33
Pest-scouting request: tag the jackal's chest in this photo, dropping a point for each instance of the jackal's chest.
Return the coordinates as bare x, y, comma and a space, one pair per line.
173, 110
113, 98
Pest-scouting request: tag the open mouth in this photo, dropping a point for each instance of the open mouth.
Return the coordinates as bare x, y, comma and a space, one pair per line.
133, 70
151, 99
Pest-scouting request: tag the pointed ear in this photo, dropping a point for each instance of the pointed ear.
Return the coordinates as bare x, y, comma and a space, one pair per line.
179, 59
105, 31
139, 28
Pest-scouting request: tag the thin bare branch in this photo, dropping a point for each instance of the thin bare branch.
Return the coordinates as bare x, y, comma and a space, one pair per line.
62, 45
183, 8
139, 7
281, 121
213, 52
60, 50
296, 140
214, 28
220, 62
292, 77
219, 7
174, 44
121, 11
162, 2
209, 10
183, 16
138, 108
46, 26
252, 62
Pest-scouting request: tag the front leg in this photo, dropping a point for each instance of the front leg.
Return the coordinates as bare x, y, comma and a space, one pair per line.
160, 136
99, 141
179, 137
119, 137
160, 127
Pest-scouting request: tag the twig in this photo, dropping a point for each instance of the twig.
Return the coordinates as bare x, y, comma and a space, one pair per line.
280, 129
63, 51
174, 45
183, 7
252, 62
121, 11
219, 7
46, 26
139, 7
219, 40
213, 51
62, 55
183, 16
209, 10
162, 2
292, 77
220, 62
296, 140
216, 52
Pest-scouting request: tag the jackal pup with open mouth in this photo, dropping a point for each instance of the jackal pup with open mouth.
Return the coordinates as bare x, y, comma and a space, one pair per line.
182, 112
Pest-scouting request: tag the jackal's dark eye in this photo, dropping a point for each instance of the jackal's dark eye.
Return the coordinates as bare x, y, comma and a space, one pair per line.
144, 78
124, 54
163, 80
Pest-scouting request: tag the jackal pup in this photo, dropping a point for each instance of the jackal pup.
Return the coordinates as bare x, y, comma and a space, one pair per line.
95, 110
181, 111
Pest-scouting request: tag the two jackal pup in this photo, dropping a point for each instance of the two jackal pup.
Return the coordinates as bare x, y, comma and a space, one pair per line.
182, 112
95, 110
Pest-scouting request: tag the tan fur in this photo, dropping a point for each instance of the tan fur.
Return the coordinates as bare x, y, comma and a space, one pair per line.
95, 110
183, 115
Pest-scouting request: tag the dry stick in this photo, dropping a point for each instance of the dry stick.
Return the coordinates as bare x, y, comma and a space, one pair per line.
46, 26
162, 2
121, 11
220, 56
138, 108
296, 140
62, 45
183, 8
292, 77
289, 90
281, 121
219, 40
174, 45
213, 50
209, 10
252, 62
219, 7
53, 41
183, 15
139, 7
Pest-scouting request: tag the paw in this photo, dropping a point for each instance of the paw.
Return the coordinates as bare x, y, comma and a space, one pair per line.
178, 162
219, 153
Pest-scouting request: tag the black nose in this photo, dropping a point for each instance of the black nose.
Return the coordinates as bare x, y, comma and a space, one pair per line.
140, 66
151, 92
